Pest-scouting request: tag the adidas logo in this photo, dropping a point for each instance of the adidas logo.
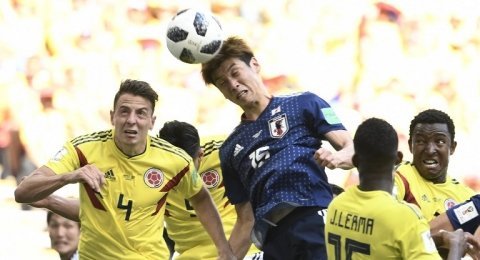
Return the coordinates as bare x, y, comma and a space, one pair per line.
238, 148
109, 175
257, 134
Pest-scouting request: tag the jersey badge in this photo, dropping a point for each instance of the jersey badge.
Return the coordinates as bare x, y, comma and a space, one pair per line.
256, 135
60, 154
428, 242
465, 212
449, 203
278, 126
330, 116
211, 178
276, 110
153, 178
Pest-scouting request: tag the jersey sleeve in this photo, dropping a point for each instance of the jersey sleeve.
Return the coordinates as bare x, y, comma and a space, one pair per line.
416, 241
65, 160
465, 215
398, 186
191, 183
319, 115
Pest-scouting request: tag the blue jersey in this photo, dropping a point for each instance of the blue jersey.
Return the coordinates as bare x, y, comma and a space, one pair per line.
270, 161
466, 215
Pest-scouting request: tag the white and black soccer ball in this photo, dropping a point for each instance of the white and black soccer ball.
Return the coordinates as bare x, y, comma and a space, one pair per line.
194, 36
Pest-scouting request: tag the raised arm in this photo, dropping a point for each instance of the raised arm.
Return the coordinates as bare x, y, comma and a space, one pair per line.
240, 237
43, 182
342, 142
210, 218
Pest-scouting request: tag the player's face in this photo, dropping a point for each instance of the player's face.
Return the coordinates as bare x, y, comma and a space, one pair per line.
132, 119
239, 82
431, 147
64, 234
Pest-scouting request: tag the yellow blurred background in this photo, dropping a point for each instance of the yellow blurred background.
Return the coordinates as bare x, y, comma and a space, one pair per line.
62, 61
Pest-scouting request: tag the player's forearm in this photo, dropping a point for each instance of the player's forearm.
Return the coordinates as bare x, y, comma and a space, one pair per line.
67, 208
455, 252
239, 239
345, 157
38, 185
440, 223
210, 219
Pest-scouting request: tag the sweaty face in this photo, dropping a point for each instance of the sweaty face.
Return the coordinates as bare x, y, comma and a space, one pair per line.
431, 147
64, 234
238, 82
132, 119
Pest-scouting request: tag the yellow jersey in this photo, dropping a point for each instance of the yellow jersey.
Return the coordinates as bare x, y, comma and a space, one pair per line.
126, 219
184, 227
375, 225
432, 198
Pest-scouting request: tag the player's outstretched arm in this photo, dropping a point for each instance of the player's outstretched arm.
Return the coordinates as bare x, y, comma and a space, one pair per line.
342, 158
43, 182
67, 208
210, 218
240, 237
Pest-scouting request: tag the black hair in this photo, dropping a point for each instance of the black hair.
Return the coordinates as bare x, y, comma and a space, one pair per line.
433, 116
49, 217
137, 88
182, 135
376, 141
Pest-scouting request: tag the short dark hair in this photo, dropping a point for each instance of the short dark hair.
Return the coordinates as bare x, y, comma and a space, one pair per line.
137, 88
232, 47
376, 141
433, 116
49, 217
182, 135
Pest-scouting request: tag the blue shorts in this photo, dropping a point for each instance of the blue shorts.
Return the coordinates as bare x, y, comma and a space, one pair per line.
465, 215
298, 236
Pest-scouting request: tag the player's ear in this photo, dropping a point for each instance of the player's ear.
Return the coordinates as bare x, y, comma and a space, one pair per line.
254, 64
355, 160
111, 116
153, 121
452, 147
399, 157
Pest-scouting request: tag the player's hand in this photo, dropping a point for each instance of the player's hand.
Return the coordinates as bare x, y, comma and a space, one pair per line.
326, 158
90, 175
473, 249
226, 255
464, 241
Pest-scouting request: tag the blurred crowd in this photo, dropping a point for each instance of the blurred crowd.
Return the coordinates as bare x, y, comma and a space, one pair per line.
61, 60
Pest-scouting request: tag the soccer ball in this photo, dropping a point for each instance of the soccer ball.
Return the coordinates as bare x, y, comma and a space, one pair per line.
194, 36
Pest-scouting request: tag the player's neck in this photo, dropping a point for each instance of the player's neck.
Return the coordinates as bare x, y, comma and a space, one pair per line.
256, 108
374, 183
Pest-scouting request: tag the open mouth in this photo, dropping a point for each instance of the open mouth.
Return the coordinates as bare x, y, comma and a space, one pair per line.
241, 93
430, 163
130, 132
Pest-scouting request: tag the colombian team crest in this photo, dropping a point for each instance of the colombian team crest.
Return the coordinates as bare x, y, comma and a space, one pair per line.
449, 203
153, 178
211, 178
278, 126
